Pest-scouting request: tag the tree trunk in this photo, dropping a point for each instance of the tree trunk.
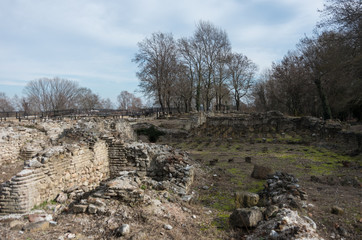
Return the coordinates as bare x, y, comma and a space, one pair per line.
327, 114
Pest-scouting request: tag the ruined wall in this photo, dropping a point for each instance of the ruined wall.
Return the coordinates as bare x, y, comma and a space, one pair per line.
58, 169
275, 125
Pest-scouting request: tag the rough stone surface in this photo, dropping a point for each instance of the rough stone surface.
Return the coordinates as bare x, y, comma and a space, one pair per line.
124, 230
286, 225
75, 160
337, 210
261, 172
246, 199
36, 226
283, 189
245, 217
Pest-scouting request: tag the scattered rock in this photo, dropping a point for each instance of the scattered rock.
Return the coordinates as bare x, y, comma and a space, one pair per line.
92, 209
36, 226
337, 210
16, 225
123, 230
39, 217
261, 172
245, 217
62, 197
79, 208
270, 211
246, 199
167, 227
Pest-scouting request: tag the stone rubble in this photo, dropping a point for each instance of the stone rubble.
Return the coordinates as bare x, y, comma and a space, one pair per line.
79, 158
275, 217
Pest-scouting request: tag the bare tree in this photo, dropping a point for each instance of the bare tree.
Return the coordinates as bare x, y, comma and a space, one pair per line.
52, 94
242, 71
157, 59
106, 103
128, 101
5, 103
212, 43
86, 99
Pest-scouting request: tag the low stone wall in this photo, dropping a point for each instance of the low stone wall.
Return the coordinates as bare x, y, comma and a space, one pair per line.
56, 170
275, 125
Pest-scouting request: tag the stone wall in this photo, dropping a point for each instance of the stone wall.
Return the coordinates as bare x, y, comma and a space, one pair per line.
77, 159
53, 171
274, 125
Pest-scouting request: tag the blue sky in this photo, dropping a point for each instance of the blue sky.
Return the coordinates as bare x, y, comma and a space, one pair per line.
93, 41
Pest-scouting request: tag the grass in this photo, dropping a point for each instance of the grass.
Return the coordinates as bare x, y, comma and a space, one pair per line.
44, 204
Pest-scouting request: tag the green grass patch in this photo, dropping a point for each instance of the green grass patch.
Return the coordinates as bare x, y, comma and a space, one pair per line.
44, 204
221, 221
222, 201
256, 186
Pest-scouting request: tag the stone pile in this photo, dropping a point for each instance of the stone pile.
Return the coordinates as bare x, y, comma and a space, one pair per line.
287, 224
283, 189
271, 216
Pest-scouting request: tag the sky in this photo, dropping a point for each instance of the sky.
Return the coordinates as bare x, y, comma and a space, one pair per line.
93, 42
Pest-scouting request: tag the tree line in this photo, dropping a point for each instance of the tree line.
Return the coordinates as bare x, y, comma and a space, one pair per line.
49, 94
193, 73
323, 75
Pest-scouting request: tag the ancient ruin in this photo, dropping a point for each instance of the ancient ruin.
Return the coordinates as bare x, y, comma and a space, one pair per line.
97, 172
77, 159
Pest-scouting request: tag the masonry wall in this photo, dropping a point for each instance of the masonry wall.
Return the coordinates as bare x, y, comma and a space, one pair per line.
71, 166
128, 157
310, 129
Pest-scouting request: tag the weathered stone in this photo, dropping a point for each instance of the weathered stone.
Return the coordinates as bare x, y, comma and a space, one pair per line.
287, 224
92, 209
167, 227
123, 230
246, 199
16, 225
62, 197
261, 172
112, 224
337, 210
36, 226
82, 156
245, 217
79, 208
37, 217
270, 211
33, 163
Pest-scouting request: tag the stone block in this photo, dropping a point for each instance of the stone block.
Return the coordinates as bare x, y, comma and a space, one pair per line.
261, 172
79, 208
246, 199
245, 217
36, 226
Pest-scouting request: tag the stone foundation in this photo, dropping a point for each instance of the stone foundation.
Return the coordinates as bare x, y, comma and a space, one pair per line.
55, 171
80, 158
